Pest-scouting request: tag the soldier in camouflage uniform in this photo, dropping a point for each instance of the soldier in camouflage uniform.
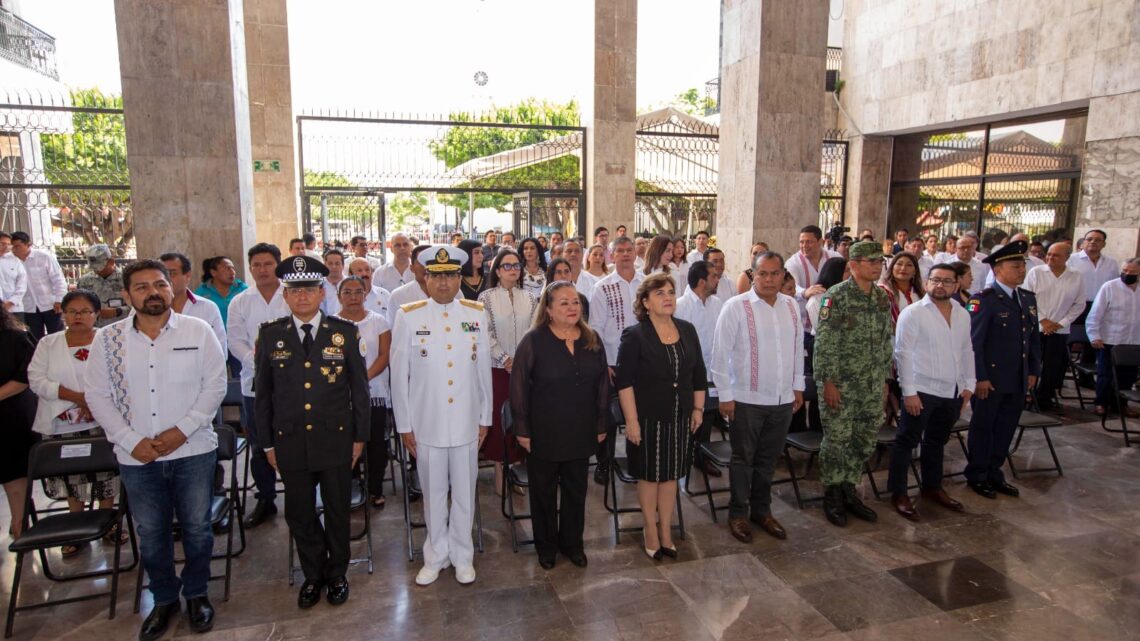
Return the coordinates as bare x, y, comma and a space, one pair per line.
106, 281
853, 351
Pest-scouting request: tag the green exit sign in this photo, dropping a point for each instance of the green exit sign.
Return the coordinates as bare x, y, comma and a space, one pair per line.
267, 165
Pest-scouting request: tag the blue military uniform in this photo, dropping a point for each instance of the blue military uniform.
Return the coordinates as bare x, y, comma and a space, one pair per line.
1007, 351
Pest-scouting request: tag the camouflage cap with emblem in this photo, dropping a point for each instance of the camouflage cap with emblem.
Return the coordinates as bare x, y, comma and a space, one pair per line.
442, 259
868, 249
301, 271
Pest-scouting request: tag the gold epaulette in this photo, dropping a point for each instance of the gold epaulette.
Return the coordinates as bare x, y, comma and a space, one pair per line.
408, 307
473, 304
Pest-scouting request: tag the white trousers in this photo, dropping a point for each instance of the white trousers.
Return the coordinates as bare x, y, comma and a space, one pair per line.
448, 532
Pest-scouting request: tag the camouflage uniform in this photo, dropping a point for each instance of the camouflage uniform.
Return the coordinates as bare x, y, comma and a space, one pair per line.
106, 289
853, 350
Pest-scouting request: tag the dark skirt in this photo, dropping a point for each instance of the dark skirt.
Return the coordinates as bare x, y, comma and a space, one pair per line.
493, 444
665, 453
17, 414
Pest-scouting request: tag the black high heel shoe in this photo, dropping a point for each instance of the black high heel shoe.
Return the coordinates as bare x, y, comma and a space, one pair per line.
669, 552
656, 555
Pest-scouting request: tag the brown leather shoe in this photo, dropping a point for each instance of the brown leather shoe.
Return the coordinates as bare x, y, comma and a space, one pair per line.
770, 525
940, 497
740, 529
902, 505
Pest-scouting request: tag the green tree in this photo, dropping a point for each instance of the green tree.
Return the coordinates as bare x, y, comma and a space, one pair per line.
561, 171
408, 210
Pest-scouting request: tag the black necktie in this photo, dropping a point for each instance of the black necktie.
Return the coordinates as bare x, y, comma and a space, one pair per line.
307, 342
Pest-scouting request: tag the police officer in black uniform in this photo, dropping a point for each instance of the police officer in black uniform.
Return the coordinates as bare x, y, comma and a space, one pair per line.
311, 388
1007, 361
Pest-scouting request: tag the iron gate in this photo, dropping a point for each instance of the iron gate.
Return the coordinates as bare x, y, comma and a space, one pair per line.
63, 173
833, 180
430, 177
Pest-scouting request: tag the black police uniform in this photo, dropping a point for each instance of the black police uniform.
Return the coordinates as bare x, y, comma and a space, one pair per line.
312, 405
1007, 350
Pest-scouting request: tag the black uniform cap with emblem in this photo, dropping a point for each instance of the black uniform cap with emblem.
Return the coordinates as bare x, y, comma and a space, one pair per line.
442, 258
301, 271
1013, 251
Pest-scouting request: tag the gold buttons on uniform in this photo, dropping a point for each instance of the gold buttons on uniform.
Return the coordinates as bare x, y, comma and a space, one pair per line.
450, 400
309, 427
308, 406
447, 329
449, 363
308, 385
449, 347
445, 314
341, 428
308, 364
451, 382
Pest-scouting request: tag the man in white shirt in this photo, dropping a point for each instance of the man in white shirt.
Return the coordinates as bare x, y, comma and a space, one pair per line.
185, 302
1095, 267
414, 291
556, 239
701, 242
46, 286
311, 246
700, 306
261, 303
377, 298
1060, 301
935, 360
611, 311
1031, 261
359, 247
583, 280
399, 271
640, 246
804, 266
915, 246
724, 289
154, 384
966, 251
758, 369
1114, 319
334, 260
13, 276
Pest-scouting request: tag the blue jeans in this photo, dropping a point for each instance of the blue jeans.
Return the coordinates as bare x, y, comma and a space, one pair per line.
158, 491
264, 476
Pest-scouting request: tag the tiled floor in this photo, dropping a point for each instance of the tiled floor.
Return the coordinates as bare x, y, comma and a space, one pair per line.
1061, 562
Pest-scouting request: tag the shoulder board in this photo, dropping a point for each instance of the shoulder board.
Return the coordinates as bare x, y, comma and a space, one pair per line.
408, 307
471, 303
282, 319
988, 291
337, 319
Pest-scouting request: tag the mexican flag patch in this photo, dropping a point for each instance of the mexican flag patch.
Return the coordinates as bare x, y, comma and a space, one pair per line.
974, 305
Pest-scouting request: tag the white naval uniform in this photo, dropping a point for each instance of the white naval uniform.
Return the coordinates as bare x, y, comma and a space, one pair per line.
441, 393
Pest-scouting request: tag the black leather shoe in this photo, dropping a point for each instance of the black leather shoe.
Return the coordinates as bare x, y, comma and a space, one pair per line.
855, 505
547, 562
338, 590
579, 559
1005, 488
833, 506
200, 613
983, 489
602, 474
310, 594
261, 513
156, 622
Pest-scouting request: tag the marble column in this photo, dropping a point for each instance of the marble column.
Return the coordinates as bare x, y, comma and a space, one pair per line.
611, 117
773, 61
1110, 181
271, 120
187, 123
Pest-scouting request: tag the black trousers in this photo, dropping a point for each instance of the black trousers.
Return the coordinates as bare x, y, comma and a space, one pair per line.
991, 431
556, 531
757, 434
1054, 362
323, 550
932, 428
43, 323
377, 449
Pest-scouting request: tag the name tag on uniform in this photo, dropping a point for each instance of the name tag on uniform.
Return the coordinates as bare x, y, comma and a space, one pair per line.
185, 349
280, 355
1003, 314
332, 354
423, 332
469, 327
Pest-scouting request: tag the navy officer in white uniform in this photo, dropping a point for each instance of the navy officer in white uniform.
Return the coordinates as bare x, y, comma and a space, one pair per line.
441, 396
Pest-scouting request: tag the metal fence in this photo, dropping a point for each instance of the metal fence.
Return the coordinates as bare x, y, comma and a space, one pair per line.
63, 172
27, 46
676, 176
833, 180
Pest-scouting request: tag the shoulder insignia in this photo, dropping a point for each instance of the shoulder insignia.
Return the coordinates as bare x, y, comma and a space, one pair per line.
973, 305
337, 319
282, 319
409, 307
471, 303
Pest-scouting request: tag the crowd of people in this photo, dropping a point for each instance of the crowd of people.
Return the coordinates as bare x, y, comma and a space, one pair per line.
524, 349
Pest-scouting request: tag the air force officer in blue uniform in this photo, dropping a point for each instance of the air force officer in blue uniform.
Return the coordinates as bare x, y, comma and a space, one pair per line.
1007, 359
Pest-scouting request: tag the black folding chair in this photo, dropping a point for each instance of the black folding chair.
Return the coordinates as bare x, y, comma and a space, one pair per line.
1122, 356
67, 458
1035, 420
619, 471
358, 501
885, 442
514, 475
225, 512
1078, 342
718, 453
807, 441
960, 427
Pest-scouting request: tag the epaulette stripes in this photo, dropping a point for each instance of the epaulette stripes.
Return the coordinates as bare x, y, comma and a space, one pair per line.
473, 304
408, 307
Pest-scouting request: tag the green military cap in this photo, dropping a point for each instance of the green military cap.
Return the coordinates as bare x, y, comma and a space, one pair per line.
868, 249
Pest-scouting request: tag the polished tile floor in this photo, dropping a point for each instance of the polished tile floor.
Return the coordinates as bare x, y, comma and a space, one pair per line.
1061, 562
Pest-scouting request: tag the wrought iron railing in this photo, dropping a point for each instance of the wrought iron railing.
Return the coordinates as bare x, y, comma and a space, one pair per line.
27, 46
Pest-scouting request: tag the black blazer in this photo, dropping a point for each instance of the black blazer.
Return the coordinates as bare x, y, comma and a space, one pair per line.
643, 364
1007, 343
311, 409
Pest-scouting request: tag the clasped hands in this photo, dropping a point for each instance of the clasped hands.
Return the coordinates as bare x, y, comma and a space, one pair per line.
151, 449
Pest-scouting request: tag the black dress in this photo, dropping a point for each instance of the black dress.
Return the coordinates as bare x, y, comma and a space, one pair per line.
17, 413
469, 292
663, 378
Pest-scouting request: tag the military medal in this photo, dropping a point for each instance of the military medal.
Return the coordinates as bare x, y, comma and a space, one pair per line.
474, 351
280, 344
338, 339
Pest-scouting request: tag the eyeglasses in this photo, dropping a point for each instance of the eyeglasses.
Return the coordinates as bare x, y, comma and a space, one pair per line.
946, 282
79, 312
511, 267
307, 291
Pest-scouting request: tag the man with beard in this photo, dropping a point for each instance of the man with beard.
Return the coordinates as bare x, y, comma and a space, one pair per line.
154, 382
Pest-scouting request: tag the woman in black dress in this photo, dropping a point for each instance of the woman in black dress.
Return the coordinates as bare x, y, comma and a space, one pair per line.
17, 414
473, 281
560, 391
661, 383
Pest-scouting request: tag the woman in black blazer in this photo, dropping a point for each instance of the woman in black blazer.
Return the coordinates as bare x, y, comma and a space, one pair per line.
661, 383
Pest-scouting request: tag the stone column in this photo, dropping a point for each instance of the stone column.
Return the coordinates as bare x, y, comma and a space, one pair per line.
773, 61
187, 123
1110, 181
868, 184
271, 120
611, 117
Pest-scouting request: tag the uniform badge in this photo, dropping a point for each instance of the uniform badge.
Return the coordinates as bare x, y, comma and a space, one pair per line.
469, 327
332, 354
1032, 310
338, 339
825, 309
474, 351
329, 374
280, 344
363, 347
974, 305
442, 257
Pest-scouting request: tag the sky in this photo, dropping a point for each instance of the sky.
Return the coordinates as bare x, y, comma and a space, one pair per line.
422, 57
